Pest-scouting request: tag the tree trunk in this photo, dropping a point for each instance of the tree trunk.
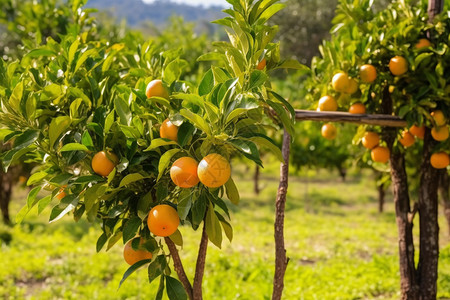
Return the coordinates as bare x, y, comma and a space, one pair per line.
256, 180
200, 266
178, 266
434, 8
381, 195
444, 186
6, 183
429, 229
281, 260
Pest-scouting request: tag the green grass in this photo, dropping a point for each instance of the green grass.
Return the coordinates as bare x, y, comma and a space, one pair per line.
339, 247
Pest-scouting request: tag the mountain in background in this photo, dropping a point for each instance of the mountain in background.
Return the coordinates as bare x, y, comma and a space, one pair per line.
136, 12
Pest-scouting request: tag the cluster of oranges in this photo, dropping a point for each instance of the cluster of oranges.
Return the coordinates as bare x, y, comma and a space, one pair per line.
212, 171
371, 141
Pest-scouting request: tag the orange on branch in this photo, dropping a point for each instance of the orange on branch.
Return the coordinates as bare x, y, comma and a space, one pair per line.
329, 131
438, 117
184, 172
340, 82
367, 73
168, 130
163, 220
132, 256
61, 193
418, 131
155, 88
103, 163
423, 43
352, 86
439, 160
398, 65
440, 133
380, 154
370, 140
261, 65
214, 170
327, 103
357, 108
407, 139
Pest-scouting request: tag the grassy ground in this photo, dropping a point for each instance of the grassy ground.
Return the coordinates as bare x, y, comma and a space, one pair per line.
339, 247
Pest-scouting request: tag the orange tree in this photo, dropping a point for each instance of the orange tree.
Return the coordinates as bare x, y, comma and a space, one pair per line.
399, 57
95, 116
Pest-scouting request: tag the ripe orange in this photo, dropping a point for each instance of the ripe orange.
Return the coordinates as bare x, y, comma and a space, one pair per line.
439, 160
380, 154
357, 108
439, 117
419, 132
440, 133
329, 131
370, 140
184, 172
423, 43
61, 194
163, 220
214, 170
168, 130
132, 256
23, 179
261, 65
407, 139
327, 103
398, 65
103, 163
340, 82
352, 86
155, 88
367, 73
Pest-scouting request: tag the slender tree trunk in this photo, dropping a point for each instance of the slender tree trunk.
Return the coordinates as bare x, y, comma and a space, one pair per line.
429, 229
404, 216
444, 186
200, 266
281, 260
179, 269
256, 180
434, 8
6, 184
381, 195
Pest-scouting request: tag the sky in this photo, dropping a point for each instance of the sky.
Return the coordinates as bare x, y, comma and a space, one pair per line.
205, 3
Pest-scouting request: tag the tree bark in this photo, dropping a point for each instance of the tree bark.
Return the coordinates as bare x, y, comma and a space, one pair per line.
179, 269
434, 8
429, 229
281, 260
6, 183
381, 195
444, 186
200, 266
256, 180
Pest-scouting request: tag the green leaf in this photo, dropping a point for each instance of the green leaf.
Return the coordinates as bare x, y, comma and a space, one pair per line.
130, 228
74, 147
43, 203
25, 139
197, 120
185, 133
232, 191
183, 207
109, 121
101, 242
175, 290
72, 50
83, 57
177, 238
213, 227
31, 198
16, 98
189, 99
226, 227
130, 178
257, 78
207, 83
57, 127
269, 144
156, 268
67, 204
36, 177
292, 64
123, 111
40, 52
132, 269
159, 142
248, 148
199, 209
160, 292
165, 160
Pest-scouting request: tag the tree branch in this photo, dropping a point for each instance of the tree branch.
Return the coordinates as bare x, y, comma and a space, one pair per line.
178, 266
200, 266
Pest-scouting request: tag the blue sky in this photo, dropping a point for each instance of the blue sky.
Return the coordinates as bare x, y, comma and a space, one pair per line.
197, 2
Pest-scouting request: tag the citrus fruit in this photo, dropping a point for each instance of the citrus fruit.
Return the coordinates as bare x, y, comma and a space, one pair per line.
380, 154
440, 133
103, 163
168, 130
132, 256
184, 172
262, 64
23, 179
327, 103
367, 73
329, 131
418, 131
439, 160
340, 82
423, 43
352, 86
407, 139
214, 170
370, 140
163, 220
439, 117
61, 193
398, 65
357, 108
155, 88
